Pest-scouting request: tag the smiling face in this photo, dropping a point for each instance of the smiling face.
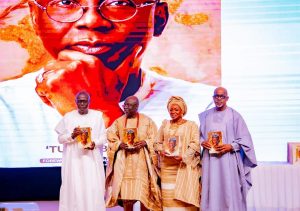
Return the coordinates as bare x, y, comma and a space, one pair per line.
175, 112
131, 106
82, 102
94, 35
220, 98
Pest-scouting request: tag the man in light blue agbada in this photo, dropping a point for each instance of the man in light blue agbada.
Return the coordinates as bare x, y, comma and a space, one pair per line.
225, 175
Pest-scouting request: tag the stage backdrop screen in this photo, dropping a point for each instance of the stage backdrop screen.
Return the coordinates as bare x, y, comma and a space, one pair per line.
249, 47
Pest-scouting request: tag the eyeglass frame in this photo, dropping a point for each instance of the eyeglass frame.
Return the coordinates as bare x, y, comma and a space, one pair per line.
129, 105
222, 97
137, 6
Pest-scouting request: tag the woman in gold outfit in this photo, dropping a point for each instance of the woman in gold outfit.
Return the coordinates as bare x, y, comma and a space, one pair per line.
180, 171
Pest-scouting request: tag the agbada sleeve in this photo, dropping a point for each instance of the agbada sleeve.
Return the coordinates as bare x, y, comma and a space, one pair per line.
158, 145
202, 118
100, 138
190, 157
64, 136
151, 134
114, 141
244, 140
194, 142
150, 140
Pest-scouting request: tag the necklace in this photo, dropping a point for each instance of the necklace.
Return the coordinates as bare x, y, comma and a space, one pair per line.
179, 122
173, 129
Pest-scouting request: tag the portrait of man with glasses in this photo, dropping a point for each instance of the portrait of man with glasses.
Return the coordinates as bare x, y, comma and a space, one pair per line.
97, 46
112, 49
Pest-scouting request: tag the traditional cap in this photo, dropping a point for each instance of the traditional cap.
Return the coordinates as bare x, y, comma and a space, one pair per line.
178, 101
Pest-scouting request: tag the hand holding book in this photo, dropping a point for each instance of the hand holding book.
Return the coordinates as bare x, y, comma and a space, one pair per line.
133, 148
126, 147
123, 146
223, 149
76, 132
139, 144
83, 135
215, 140
206, 145
167, 154
91, 145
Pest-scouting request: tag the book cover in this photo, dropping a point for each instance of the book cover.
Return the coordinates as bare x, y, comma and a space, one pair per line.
171, 146
293, 152
130, 136
215, 138
85, 137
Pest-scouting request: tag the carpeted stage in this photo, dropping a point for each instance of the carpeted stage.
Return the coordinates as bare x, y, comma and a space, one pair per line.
275, 188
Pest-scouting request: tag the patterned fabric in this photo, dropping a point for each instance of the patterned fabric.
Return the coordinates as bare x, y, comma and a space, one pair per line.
132, 176
181, 179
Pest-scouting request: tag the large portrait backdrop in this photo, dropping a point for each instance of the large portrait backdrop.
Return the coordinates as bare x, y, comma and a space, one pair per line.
259, 66
134, 56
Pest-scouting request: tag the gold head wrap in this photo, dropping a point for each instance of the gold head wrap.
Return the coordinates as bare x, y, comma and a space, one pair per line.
178, 101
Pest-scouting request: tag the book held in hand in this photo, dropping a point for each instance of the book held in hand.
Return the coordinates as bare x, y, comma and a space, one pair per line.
293, 152
130, 136
215, 139
85, 137
171, 146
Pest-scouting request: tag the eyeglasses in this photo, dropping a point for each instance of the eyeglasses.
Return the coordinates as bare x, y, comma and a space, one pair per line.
81, 101
68, 11
219, 97
129, 105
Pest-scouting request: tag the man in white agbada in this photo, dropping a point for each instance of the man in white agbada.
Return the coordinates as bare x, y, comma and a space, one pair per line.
82, 173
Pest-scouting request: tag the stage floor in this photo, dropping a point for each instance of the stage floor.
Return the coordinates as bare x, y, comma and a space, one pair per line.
42, 206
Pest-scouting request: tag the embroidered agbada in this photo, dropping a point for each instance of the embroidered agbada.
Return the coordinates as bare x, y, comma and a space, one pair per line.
226, 179
180, 180
82, 170
132, 176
